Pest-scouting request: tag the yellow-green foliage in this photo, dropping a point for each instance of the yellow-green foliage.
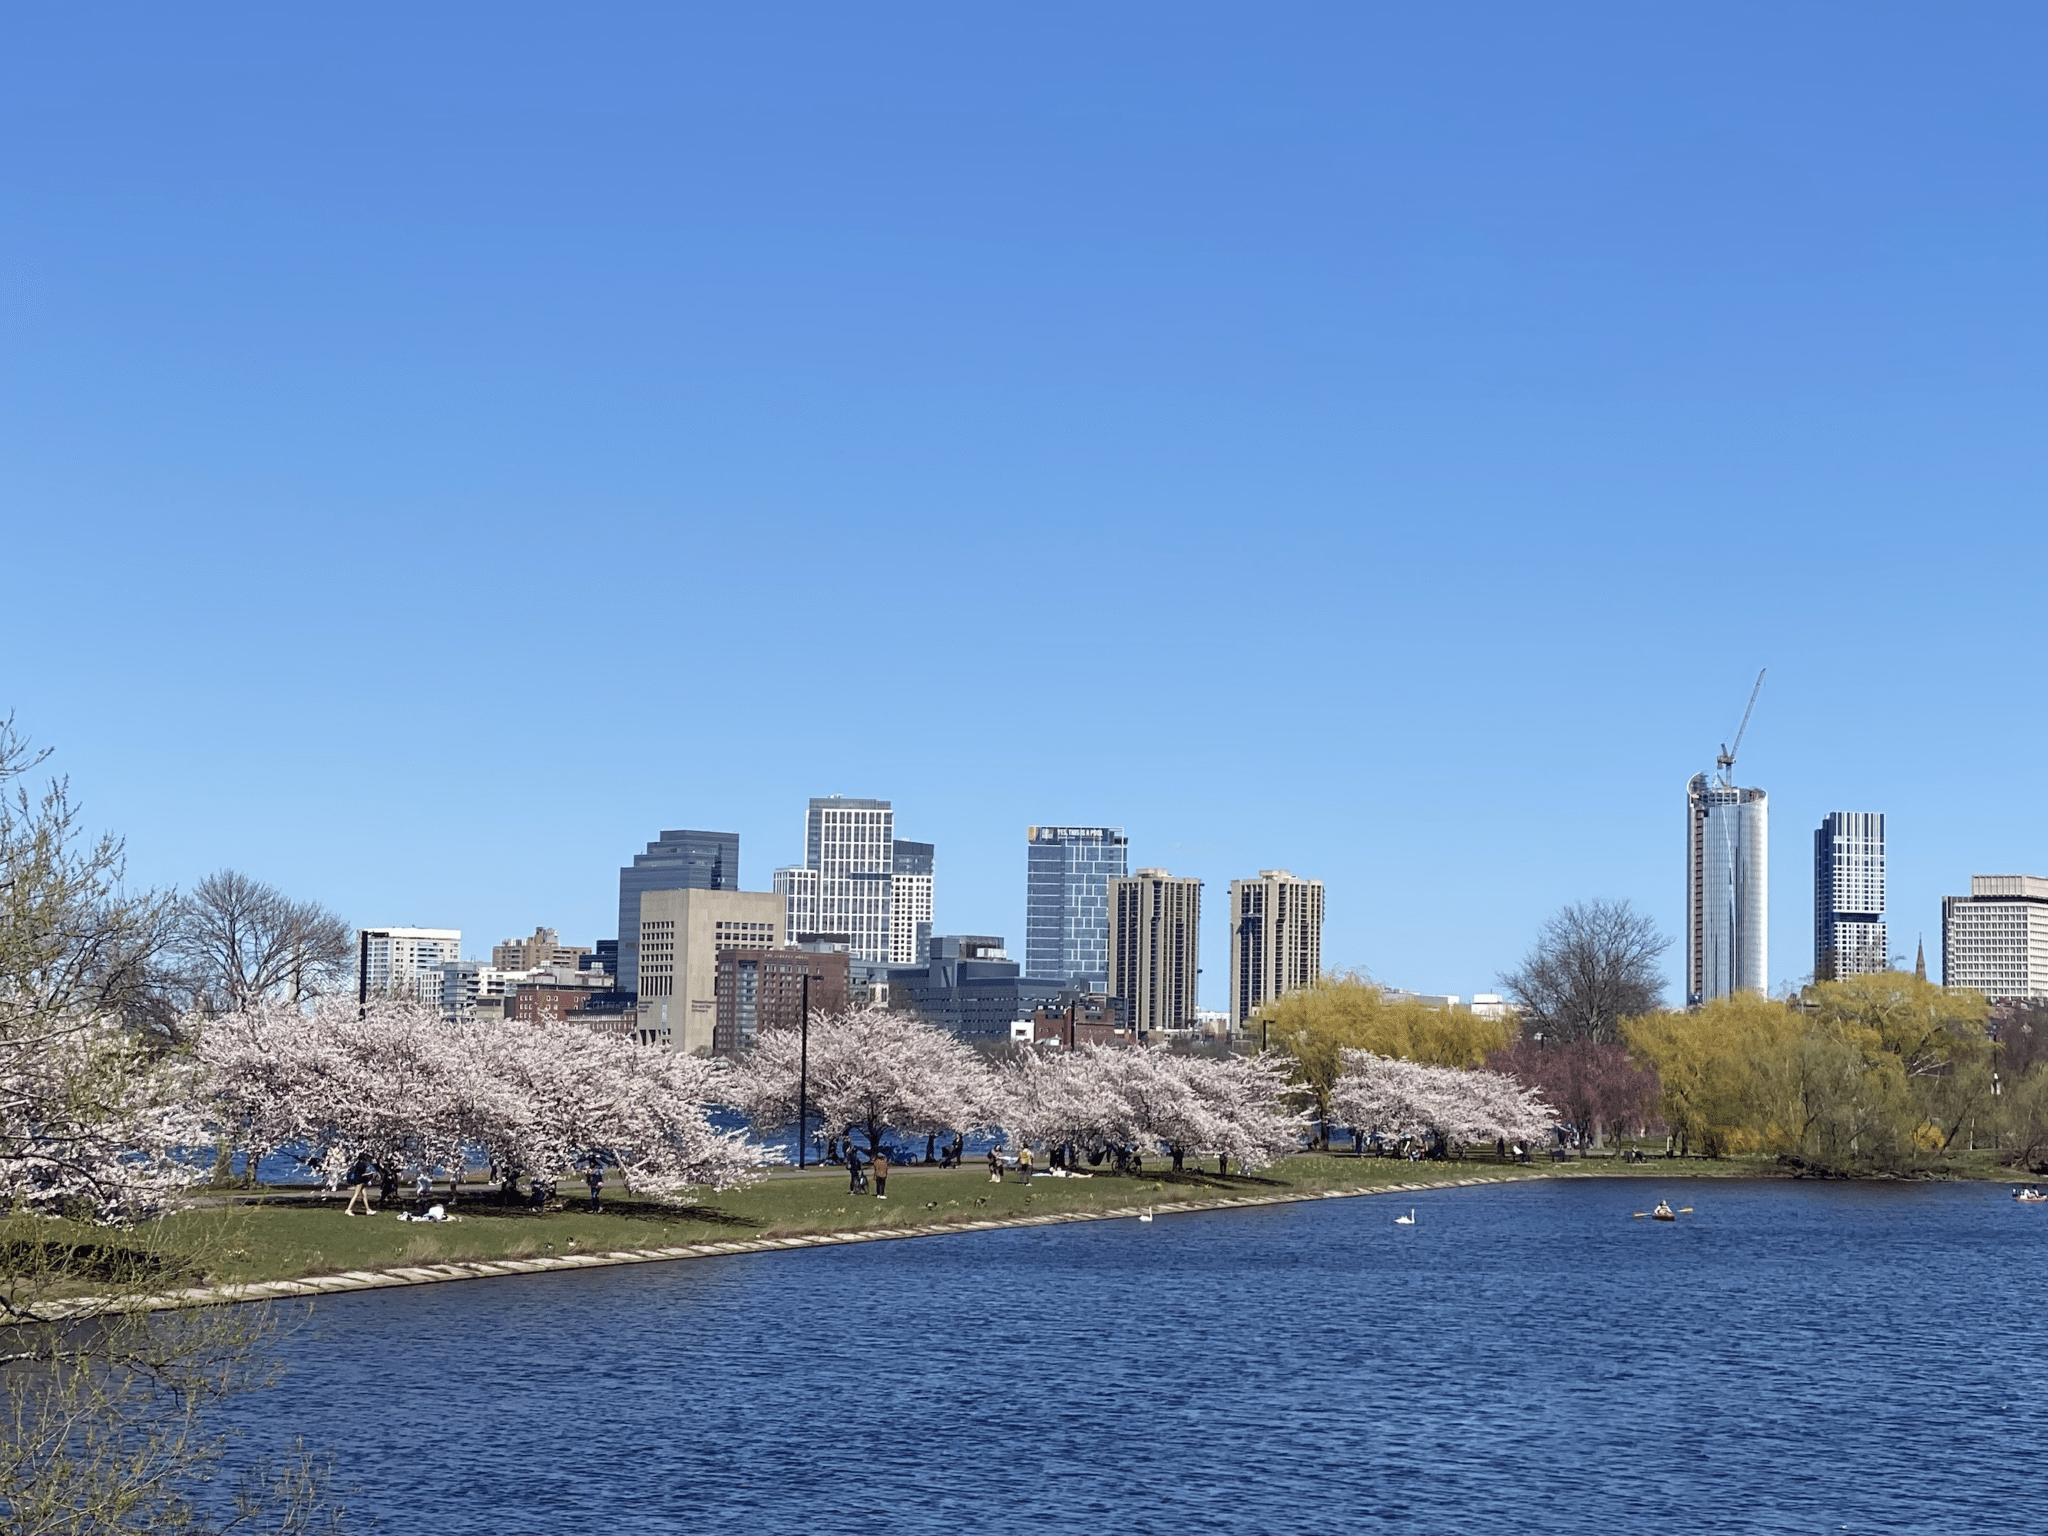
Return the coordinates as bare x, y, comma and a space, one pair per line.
1871, 1070
1314, 1024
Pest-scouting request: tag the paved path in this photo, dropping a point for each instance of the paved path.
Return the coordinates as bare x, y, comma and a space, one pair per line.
481, 1269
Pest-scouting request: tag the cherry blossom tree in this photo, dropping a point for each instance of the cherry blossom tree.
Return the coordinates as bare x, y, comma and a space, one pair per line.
871, 1071
1404, 1100
1100, 1100
394, 1082
562, 1098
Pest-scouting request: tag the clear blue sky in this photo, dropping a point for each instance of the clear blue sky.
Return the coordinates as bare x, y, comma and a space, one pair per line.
441, 446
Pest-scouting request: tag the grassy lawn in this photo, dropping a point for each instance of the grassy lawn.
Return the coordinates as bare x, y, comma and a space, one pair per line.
288, 1239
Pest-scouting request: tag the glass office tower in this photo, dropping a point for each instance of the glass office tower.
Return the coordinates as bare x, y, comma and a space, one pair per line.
1727, 890
1066, 901
676, 861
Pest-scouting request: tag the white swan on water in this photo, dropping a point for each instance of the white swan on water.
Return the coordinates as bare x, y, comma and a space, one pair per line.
1406, 1221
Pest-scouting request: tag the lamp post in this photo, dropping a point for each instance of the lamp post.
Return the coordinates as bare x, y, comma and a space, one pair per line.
803, 1078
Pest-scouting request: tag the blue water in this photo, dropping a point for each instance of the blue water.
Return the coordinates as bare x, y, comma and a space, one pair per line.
1796, 1358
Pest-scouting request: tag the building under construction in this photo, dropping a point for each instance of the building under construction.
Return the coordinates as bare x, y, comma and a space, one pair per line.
1727, 880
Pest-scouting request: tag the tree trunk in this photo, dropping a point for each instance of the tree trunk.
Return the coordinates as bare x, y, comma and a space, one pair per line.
1178, 1154
1223, 1165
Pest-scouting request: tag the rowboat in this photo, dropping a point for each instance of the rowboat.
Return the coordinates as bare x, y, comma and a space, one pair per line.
2029, 1195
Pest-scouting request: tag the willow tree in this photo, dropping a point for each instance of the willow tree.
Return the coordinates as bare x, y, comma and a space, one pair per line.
1721, 1071
1316, 1025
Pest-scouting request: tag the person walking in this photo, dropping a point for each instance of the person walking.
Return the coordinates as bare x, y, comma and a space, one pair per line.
1024, 1162
995, 1166
595, 1179
852, 1167
359, 1188
881, 1175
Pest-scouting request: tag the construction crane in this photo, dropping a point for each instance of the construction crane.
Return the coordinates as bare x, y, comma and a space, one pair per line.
1726, 761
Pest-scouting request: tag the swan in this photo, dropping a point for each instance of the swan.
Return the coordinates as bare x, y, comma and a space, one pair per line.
1406, 1221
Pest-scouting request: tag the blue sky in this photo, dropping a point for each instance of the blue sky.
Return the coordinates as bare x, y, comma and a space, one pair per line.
439, 448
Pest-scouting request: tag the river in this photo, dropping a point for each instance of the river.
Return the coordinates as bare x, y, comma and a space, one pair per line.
1525, 1358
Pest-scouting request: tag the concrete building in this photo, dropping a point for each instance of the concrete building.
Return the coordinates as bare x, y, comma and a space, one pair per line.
970, 988
404, 962
1067, 871
763, 989
676, 861
1155, 949
544, 948
910, 904
1848, 896
1276, 940
1996, 938
680, 935
1727, 890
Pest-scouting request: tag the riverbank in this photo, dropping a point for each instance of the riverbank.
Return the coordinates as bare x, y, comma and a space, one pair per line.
286, 1245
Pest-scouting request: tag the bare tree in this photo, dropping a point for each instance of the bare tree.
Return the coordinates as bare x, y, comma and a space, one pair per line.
243, 942
1594, 964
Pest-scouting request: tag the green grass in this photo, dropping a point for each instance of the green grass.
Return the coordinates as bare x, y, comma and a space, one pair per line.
292, 1239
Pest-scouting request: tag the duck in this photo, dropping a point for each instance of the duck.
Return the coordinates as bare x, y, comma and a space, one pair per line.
1406, 1221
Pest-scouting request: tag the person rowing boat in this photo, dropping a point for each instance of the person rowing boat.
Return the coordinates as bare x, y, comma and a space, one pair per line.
1662, 1211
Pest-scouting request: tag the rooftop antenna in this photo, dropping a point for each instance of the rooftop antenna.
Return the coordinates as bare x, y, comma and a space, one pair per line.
1726, 761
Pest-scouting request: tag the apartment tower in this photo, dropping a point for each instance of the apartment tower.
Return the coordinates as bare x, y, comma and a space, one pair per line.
844, 884
404, 962
910, 904
1848, 896
1276, 940
1155, 949
1727, 889
1067, 874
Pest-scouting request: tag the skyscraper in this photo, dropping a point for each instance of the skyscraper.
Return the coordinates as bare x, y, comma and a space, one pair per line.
910, 904
1727, 889
677, 861
843, 885
1848, 896
1996, 938
1276, 939
1155, 949
1067, 873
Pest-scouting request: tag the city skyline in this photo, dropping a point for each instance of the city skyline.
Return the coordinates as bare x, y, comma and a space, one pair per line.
1446, 442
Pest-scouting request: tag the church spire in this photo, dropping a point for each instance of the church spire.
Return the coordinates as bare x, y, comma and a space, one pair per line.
1920, 960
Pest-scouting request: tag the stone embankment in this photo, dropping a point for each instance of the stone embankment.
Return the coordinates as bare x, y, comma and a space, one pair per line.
482, 1269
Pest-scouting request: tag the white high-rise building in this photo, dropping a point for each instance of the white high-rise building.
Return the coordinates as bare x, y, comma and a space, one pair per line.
910, 904
1276, 940
798, 887
844, 883
1996, 938
404, 962
1848, 896
1727, 890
